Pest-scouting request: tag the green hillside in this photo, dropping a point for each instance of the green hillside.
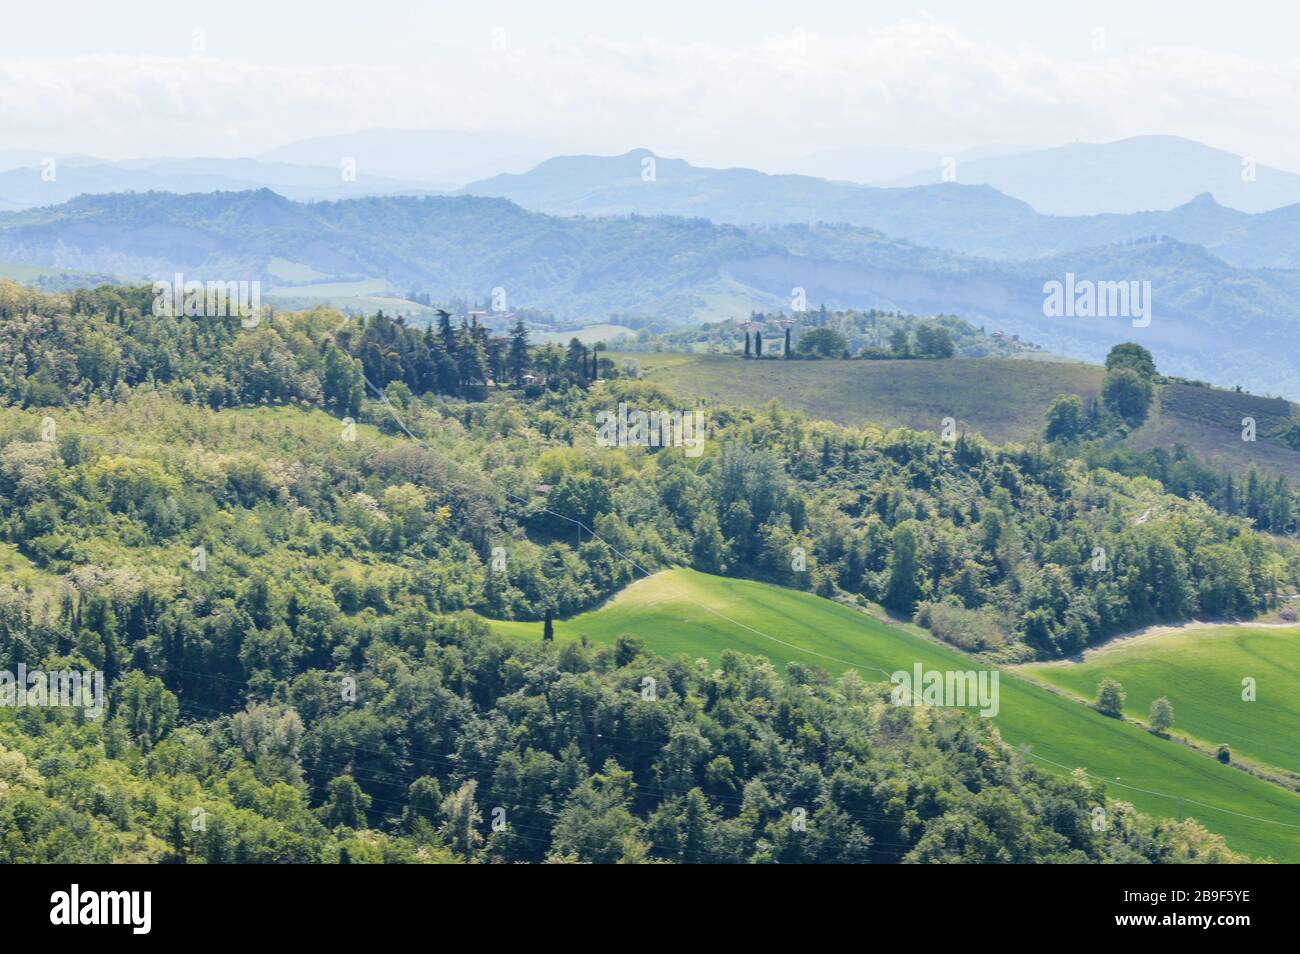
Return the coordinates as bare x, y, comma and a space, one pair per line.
1001, 398
683, 611
1005, 399
1210, 420
1201, 673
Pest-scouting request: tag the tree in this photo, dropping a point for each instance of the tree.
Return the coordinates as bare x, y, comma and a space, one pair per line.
786, 351
934, 341
575, 358
1110, 698
1132, 356
1162, 715
1127, 395
447, 333
347, 804
471, 363
1065, 418
823, 343
758, 344
898, 342
548, 626
461, 819
902, 591
747, 345
518, 357
146, 707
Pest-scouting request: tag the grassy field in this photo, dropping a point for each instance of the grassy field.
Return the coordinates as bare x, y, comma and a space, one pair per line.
1003, 398
1209, 420
1200, 671
681, 611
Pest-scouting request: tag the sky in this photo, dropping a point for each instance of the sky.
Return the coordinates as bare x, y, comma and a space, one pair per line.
720, 83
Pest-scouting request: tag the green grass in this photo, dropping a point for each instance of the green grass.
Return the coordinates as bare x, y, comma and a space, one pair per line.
1200, 671
1004, 399
682, 611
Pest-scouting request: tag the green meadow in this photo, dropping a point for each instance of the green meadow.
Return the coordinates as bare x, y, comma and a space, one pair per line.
683, 611
1201, 673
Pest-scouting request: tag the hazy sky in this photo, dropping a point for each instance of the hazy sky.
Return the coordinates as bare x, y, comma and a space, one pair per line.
714, 82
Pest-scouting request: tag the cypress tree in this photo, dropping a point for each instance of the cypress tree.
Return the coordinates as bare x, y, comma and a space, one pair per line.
446, 332
518, 359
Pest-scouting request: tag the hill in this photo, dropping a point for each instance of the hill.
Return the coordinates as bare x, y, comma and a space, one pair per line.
25, 187
1004, 399
674, 269
685, 612
416, 155
962, 216
222, 521
1201, 672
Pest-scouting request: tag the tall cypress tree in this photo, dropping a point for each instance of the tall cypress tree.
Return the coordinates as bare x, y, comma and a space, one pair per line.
518, 360
787, 344
758, 344
446, 332
746, 344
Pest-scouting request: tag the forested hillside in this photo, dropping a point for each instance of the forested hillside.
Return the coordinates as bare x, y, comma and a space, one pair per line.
274, 576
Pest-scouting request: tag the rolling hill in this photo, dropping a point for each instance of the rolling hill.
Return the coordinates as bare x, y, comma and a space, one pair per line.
1004, 399
1201, 673
965, 216
672, 269
683, 611
24, 187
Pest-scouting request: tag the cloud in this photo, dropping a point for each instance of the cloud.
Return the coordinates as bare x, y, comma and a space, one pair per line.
918, 82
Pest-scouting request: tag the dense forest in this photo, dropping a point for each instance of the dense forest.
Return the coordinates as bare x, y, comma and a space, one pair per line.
277, 543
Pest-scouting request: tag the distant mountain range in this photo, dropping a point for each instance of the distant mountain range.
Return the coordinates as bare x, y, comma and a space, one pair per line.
370, 162
975, 219
1211, 320
1139, 175
26, 186
418, 155
1131, 175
